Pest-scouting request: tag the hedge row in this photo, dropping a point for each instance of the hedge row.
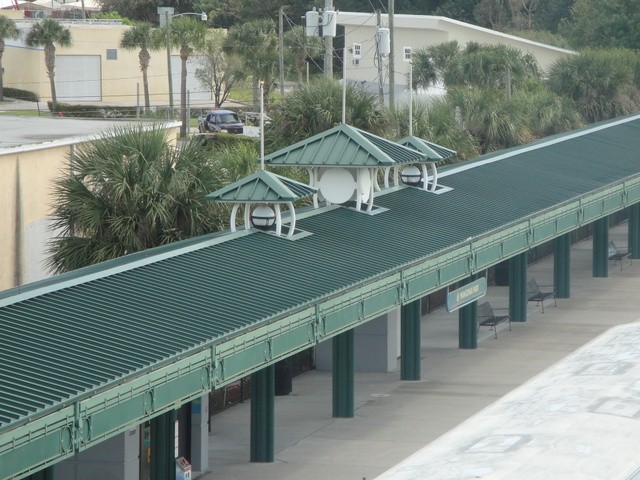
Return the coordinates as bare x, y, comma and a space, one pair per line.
18, 94
109, 111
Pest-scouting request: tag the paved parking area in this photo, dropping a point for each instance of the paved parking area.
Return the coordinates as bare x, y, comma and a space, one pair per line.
394, 419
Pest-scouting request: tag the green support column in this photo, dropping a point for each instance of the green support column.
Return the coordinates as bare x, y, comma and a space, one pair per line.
163, 464
634, 230
518, 288
562, 265
410, 318
343, 368
468, 326
262, 415
601, 247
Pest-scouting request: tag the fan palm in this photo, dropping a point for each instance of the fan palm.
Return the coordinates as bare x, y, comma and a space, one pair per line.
188, 35
8, 29
129, 191
256, 43
139, 37
48, 33
314, 108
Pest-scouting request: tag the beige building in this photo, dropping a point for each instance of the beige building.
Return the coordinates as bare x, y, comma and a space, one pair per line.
34, 152
95, 69
419, 31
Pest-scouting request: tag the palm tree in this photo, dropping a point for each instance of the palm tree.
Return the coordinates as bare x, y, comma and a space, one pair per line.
256, 42
600, 82
435, 121
48, 33
139, 37
298, 48
314, 108
491, 67
131, 190
188, 35
8, 29
493, 119
430, 63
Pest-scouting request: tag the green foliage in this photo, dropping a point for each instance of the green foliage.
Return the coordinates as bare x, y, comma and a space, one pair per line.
228, 13
8, 29
229, 140
494, 120
48, 32
130, 191
601, 83
457, 9
218, 71
316, 107
256, 44
551, 14
112, 15
434, 121
542, 36
430, 63
491, 67
93, 111
19, 94
545, 112
599, 24
299, 49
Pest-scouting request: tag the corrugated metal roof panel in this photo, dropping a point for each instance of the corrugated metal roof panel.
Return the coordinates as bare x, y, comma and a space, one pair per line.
61, 344
262, 186
423, 146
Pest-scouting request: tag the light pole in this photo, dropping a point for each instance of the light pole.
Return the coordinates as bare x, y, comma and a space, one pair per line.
166, 14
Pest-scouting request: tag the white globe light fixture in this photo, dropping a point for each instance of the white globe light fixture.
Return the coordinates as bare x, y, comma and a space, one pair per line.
411, 175
263, 217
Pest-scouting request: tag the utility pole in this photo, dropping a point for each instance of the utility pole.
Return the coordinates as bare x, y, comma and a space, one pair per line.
170, 75
281, 47
328, 45
392, 58
380, 63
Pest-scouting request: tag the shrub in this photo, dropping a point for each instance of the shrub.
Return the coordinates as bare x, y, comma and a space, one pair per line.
19, 94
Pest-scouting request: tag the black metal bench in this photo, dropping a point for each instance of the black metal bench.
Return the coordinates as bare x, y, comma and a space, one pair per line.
487, 317
535, 294
618, 255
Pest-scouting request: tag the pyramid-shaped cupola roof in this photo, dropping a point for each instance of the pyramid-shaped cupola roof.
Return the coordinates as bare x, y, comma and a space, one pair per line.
433, 151
262, 187
345, 146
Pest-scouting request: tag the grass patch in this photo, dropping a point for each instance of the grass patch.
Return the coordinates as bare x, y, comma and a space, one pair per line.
26, 113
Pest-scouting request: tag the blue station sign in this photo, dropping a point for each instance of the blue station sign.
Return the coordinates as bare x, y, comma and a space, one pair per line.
465, 295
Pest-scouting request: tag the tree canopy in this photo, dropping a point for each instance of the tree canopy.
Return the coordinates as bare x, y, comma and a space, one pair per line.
129, 191
8, 29
48, 33
317, 106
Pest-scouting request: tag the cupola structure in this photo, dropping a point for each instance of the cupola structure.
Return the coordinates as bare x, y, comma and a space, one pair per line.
417, 174
344, 162
262, 194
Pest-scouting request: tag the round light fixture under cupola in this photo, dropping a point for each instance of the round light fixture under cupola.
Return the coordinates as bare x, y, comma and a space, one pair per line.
262, 194
411, 175
263, 217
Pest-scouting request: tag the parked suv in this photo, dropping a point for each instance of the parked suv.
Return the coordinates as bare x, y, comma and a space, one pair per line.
224, 121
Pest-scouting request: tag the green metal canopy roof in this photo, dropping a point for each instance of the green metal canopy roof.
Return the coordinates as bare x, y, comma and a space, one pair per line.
106, 346
344, 146
262, 186
433, 152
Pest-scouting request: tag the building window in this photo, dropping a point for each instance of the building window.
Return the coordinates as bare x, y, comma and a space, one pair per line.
112, 54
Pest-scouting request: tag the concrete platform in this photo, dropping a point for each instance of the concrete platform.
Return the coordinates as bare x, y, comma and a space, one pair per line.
394, 419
